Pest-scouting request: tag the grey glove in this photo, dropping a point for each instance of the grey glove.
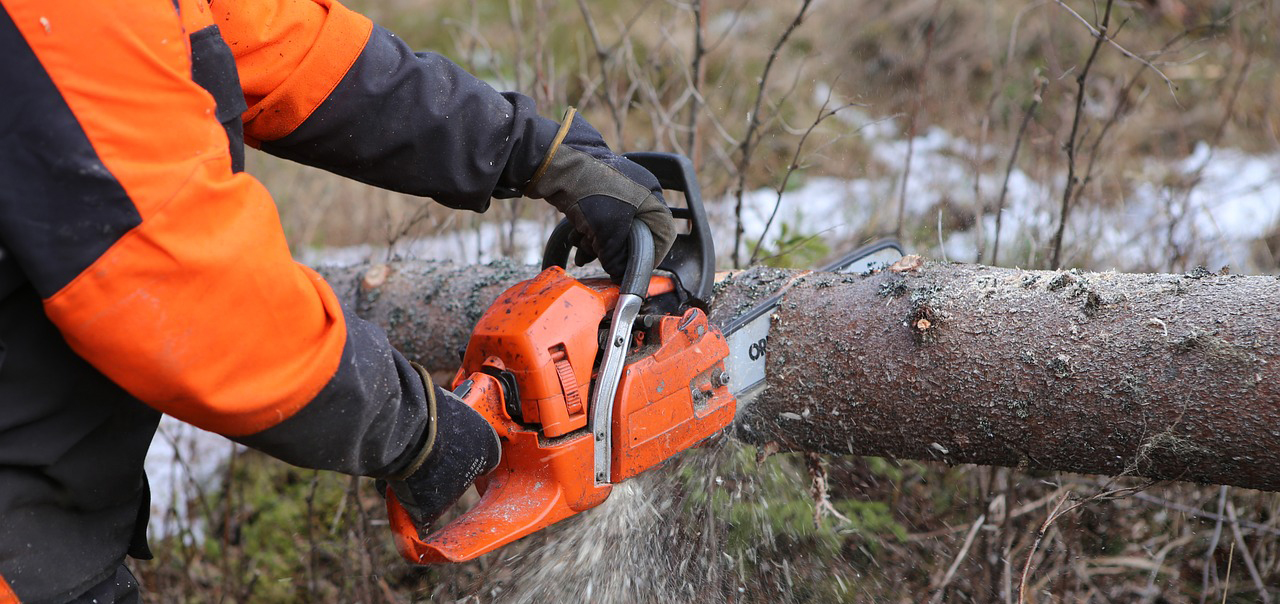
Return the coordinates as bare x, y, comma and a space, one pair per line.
601, 193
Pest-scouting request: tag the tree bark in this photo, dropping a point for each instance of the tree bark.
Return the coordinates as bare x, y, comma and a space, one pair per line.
426, 308
1162, 376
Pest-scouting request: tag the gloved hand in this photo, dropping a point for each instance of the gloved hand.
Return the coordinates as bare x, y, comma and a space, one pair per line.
601, 193
459, 447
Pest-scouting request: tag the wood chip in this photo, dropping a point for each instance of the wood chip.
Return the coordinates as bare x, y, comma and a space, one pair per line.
907, 264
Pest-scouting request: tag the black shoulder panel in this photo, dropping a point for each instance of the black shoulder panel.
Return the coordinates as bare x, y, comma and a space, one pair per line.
213, 67
60, 208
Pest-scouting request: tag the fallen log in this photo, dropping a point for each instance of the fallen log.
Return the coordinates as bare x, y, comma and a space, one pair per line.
426, 308
1163, 376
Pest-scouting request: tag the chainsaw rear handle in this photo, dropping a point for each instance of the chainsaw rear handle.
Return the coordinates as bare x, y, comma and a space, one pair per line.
692, 257
639, 256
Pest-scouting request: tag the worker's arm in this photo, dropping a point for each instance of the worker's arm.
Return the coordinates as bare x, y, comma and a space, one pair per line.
327, 88
165, 269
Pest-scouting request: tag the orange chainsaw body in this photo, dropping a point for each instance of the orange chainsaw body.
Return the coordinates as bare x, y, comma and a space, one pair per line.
545, 333
671, 395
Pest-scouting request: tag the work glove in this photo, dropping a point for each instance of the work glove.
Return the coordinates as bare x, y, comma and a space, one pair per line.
601, 193
459, 447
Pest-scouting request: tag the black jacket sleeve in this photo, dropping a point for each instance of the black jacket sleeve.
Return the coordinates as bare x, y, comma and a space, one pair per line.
417, 123
368, 420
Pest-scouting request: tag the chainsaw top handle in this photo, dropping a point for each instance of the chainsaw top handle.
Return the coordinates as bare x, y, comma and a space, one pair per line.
639, 256
692, 257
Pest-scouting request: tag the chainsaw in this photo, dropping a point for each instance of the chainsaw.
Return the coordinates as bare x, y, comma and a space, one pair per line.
588, 383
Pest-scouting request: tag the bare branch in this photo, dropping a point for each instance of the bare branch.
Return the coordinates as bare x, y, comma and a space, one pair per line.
1213, 545
1036, 99
955, 564
1246, 555
930, 29
747, 147
792, 166
1100, 33
1081, 82
696, 76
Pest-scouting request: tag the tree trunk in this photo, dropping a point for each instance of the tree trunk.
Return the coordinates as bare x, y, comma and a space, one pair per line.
1162, 376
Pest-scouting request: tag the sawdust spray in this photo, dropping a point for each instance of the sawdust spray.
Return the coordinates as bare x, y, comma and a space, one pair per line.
647, 543
701, 528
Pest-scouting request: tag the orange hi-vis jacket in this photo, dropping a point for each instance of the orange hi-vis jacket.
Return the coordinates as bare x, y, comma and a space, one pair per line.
143, 272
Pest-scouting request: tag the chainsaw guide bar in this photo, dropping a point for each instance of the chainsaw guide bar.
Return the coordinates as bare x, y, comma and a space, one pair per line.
748, 334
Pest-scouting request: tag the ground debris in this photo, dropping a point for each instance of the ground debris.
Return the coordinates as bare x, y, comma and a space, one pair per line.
907, 264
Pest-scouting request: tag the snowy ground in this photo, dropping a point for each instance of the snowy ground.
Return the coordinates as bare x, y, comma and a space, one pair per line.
1223, 202
182, 466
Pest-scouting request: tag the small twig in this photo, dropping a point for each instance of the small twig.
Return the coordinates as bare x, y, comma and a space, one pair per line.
1152, 591
602, 57
942, 248
1100, 33
931, 28
1199, 513
313, 551
982, 141
513, 9
979, 206
955, 564
624, 36
360, 536
1006, 566
1226, 585
340, 512
696, 79
799, 244
1213, 546
747, 147
1100, 36
1031, 554
1229, 112
605, 55
420, 215
1122, 103
1013, 158
821, 493
1018, 512
792, 166
229, 516
1058, 511
1246, 555
542, 80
